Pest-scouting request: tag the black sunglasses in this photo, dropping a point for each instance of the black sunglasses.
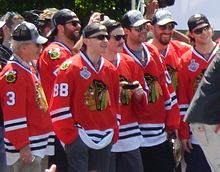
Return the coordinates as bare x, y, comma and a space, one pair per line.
200, 30
100, 37
118, 37
74, 23
141, 27
169, 26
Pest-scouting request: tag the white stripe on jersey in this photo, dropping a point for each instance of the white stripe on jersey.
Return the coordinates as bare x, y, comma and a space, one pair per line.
15, 124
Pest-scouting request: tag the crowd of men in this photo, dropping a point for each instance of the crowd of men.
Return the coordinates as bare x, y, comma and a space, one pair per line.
107, 97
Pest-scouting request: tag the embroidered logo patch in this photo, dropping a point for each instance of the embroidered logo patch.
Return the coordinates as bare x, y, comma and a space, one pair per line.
96, 97
85, 73
54, 53
65, 65
11, 76
193, 66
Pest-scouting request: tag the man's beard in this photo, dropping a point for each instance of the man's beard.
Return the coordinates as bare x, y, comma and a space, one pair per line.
71, 35
164, 41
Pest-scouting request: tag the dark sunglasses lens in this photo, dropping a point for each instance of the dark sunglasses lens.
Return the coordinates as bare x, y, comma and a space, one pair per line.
118, 37
171, 27
102, 37
164, 27
74, 23
139, 28
200, 30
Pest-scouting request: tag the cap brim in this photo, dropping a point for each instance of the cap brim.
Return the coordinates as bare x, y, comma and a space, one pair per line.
2, 23
165, 21
140, 22
40, 40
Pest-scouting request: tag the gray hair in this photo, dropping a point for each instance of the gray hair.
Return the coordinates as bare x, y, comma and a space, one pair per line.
15, 45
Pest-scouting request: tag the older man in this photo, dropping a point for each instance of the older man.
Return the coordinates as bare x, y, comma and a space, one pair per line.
28, 131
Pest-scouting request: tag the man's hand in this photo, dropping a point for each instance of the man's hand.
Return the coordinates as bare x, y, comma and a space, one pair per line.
151, 6
138, 92
26, 155
187, 145
52, 168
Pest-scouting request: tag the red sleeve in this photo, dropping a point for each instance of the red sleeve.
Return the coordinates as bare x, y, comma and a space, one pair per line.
13, 103
62, 117
183, 100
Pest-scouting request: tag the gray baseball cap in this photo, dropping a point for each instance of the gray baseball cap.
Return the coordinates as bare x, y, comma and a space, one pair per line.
27, 31
162, 17
133, 18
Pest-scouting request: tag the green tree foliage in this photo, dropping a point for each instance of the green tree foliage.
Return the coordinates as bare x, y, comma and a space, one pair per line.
83, 8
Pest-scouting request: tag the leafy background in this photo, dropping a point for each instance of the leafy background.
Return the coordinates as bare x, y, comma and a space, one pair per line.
83, 8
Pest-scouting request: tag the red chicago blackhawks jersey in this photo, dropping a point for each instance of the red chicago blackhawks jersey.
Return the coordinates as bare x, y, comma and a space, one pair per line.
50, 60
162, 65
157, 116
26, 118
85, 102
130, 137
179, 47
193, 66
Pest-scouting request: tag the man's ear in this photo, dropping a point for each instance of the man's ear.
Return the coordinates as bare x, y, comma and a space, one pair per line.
60, 28
190, 34
126, 30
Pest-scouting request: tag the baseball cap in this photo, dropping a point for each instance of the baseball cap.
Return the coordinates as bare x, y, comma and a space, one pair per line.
162, 17
196, 20
111, 25
28, 31
62, 17
133, 18
92, 29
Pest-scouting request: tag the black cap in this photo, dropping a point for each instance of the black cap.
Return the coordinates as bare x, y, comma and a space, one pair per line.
93, 28
196, 20
111, 25
28, 32
62, 17
133, 18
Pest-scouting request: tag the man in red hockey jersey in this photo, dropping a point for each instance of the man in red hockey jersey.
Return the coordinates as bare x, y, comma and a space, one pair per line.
193, 65
161, 114
125, 152
29, 138
85, 104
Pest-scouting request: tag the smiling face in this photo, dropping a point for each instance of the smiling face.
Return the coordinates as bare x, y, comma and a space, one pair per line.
72, 30
97, 42
163, 33
138, 34
202, 34
116, 41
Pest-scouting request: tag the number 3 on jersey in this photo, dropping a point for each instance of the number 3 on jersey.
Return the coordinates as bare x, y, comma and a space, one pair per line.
11, 98
61, 90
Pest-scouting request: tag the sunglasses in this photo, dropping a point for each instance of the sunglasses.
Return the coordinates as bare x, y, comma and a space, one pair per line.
141, 27
169, 26
74, 23
118, 37
100, 37
200, 30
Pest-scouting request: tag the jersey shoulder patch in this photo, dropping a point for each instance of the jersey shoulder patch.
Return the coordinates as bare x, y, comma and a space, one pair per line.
65, 65
11, 76
54, 53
